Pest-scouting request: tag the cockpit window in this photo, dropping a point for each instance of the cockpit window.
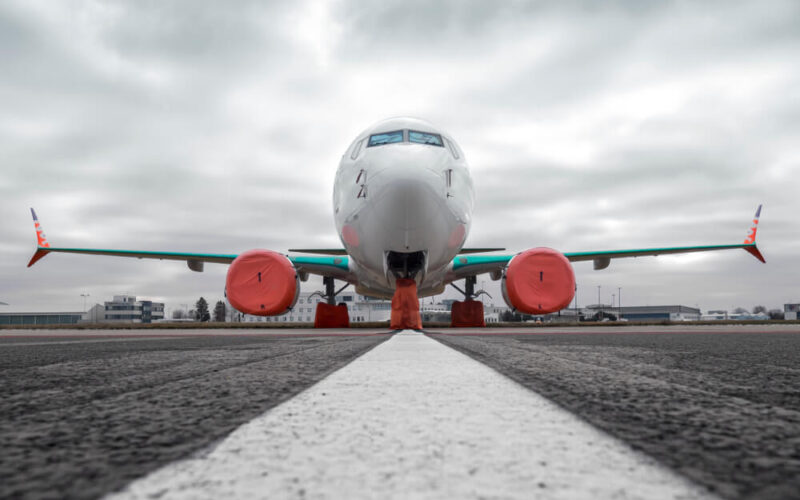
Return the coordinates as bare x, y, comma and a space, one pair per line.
452, 148
425, 138
356, 149
385, 138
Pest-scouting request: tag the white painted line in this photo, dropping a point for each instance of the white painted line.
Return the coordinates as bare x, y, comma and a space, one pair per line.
416, 419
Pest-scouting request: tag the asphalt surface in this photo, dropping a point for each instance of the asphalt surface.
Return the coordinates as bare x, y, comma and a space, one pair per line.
721, 408
415, 419
81, 416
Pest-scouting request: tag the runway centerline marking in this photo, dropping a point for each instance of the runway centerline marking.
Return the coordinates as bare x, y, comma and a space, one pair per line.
413, 418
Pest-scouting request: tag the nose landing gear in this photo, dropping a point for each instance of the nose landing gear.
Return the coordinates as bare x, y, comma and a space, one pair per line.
405, 303
405, 306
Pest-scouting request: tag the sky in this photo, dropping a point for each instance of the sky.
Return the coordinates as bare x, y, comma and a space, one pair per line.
218, 127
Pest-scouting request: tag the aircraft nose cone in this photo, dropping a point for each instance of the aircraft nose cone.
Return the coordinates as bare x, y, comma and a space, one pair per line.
411, 205
413, 201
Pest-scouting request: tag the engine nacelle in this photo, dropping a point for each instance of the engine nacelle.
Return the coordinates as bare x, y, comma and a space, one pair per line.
262, 283
539, 281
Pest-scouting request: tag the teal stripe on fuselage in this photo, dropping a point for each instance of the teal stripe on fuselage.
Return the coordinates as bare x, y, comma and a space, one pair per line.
342, 263
464, 261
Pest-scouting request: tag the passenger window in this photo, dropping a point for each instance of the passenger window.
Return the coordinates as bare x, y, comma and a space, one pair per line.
385, 138
425, 138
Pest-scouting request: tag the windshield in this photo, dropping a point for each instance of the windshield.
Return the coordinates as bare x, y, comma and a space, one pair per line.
425, 138
385, 138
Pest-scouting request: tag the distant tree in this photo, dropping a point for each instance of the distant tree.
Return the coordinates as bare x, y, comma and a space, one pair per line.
776, 314
740, 310
759, 309
177, 314
201, 310
219, 311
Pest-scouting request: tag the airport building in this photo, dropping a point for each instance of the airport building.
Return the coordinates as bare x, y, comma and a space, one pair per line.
361, 309
715, 315
364, 310
127, 309
40, 318
645, 313
122, 309
790, 311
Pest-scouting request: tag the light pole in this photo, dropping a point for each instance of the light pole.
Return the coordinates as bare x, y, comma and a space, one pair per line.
84, 295
613, 296
619, 302
577, 315
599, 305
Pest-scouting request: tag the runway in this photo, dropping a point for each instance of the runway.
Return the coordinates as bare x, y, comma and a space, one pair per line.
672, 412
82, 416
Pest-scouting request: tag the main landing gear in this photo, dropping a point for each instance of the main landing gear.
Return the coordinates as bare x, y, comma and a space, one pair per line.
469, 313
328, 314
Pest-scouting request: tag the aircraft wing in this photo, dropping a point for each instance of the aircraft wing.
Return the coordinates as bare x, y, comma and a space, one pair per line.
464, 266
337, 267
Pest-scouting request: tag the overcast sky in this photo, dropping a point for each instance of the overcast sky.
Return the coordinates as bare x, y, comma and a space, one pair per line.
218, 127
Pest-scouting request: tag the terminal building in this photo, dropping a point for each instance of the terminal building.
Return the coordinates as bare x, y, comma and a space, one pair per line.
361, 309
365, 310
790, 311
126, 309
40, 318
122, 309
645, 313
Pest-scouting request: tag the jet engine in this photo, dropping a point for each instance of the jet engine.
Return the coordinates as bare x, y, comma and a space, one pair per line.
262, 282
538, 281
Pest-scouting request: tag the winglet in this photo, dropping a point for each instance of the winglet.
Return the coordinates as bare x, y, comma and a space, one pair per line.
753, 250
751, 238
41, 241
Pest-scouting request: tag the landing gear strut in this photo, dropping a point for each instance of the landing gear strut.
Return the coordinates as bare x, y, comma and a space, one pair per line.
330, 294
469, 313
469, 289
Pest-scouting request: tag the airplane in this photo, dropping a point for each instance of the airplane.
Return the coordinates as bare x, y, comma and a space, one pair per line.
402, 206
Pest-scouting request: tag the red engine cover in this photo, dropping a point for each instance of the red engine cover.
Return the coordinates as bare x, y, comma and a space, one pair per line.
539, 281
262, 283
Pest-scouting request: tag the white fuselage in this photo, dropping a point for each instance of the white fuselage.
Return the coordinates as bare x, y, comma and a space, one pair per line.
397, 199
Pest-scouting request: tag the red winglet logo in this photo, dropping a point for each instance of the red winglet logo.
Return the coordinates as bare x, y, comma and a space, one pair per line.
41, 241
751, 236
